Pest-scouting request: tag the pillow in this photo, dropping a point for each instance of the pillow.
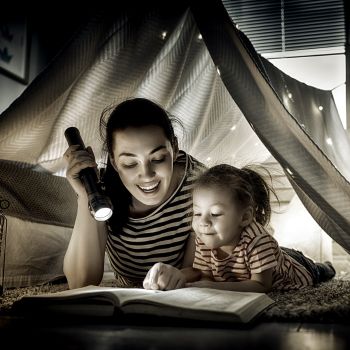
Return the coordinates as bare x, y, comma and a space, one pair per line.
34, 252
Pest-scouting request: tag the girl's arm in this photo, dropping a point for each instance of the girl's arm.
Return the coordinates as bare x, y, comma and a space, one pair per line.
259, 282
189, 273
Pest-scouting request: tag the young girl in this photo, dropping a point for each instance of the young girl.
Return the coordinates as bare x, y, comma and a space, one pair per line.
234, 251
149, 181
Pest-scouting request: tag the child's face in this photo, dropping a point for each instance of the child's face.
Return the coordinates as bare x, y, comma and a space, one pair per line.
144, 160
217, 220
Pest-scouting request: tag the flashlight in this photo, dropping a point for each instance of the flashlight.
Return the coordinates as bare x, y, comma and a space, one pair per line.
100, 205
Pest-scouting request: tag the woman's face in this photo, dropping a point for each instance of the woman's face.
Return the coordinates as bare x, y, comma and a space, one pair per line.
144, 159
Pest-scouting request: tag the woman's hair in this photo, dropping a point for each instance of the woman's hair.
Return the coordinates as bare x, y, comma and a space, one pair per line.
247, 187
135, 112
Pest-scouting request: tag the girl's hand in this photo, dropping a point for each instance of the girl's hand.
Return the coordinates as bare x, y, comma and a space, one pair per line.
203, 284
78, 159
164, 277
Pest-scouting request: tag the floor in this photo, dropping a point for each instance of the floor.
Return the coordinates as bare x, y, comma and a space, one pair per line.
165, 334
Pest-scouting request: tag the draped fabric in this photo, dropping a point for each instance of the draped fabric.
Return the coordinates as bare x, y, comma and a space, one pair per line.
190, 58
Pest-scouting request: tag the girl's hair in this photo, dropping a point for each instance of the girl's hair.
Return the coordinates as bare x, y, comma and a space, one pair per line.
247, 187
134, 112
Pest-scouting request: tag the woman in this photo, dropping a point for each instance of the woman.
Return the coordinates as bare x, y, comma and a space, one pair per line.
149, 181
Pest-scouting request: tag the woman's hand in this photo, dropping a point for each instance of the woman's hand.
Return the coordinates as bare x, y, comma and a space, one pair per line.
78, 159
164, 277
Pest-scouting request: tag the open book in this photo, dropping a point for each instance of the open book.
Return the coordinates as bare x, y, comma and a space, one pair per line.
187, 303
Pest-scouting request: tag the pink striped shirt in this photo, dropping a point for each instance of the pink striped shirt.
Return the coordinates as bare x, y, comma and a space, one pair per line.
256, 251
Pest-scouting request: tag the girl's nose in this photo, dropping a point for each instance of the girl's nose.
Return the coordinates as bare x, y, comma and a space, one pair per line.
204, 221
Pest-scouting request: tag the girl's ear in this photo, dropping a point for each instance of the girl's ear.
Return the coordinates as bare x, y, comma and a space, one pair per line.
247, 217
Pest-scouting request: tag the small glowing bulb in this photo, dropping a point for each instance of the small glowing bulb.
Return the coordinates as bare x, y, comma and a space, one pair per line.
233, 127
320, 108
289, 171
218, 70
329, 141
208, 159
164, 34
290, 95
200, 36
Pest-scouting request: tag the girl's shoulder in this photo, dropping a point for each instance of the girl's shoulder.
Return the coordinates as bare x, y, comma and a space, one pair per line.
255, 231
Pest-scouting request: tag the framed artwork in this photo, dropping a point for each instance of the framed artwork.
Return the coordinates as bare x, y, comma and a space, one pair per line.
14, 48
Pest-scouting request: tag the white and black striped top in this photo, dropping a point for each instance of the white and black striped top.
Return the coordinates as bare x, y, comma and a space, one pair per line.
160, 236
256, 251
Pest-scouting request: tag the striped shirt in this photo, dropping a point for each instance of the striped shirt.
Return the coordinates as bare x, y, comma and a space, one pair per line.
158, 237
256, 251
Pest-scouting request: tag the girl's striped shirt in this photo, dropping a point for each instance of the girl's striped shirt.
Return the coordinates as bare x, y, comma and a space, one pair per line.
256, 251
160, 236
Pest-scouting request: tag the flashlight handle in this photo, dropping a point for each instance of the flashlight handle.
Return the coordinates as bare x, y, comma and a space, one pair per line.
73, 137
88, 175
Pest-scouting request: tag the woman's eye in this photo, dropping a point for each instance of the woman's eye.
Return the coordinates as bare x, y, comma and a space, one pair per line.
128, 166
158, 160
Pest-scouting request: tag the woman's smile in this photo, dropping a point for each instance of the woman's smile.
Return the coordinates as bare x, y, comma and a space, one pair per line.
149, 188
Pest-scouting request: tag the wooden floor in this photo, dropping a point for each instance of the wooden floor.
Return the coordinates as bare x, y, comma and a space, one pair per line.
165, 334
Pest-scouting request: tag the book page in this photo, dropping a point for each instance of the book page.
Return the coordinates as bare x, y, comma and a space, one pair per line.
206, 299
115, 295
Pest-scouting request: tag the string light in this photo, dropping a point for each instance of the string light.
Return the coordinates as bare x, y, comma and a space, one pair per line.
233, 127
164, 34
218, 70
200, 36
320, 108
289, 171
329, 141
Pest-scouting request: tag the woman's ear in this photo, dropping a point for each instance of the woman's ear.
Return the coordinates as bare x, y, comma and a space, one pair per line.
247, 216
112, 161
176, 148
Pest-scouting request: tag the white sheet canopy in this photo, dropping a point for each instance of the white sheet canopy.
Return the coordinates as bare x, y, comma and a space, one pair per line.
190, 58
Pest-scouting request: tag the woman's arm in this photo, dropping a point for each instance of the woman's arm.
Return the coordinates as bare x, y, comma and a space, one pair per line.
259, 282
84, 259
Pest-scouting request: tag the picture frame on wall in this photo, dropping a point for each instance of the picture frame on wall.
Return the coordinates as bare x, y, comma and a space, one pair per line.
14, 48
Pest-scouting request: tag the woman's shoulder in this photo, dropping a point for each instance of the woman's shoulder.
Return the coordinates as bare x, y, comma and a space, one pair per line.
192, 165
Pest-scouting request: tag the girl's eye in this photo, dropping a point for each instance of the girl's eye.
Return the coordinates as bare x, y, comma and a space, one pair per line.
196, 214
216, 215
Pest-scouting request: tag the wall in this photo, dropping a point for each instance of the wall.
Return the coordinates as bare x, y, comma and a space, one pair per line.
49, 30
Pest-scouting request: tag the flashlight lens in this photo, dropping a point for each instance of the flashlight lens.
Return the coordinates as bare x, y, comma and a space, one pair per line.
103, 214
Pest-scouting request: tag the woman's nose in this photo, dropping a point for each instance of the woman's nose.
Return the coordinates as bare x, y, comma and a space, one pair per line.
147, 170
